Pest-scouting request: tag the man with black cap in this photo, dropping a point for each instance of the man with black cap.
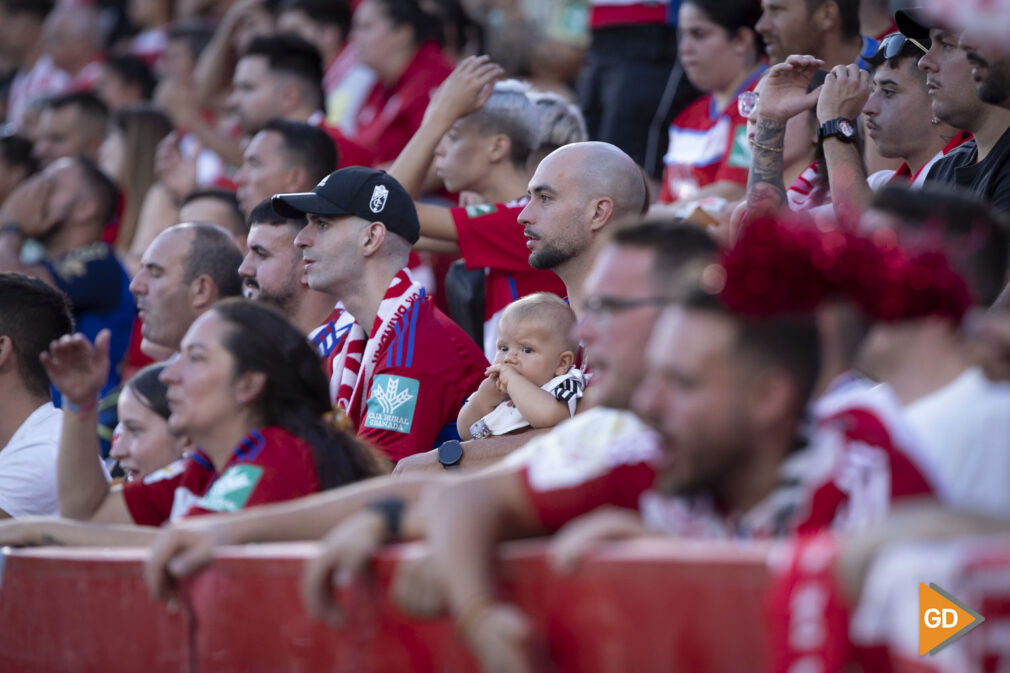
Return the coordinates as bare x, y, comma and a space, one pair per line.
983, 165
403, 382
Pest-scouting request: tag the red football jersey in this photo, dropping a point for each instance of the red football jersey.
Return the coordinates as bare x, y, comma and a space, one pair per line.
390, 116
490, 236
420, 382
857, 461
707, 144
269, 465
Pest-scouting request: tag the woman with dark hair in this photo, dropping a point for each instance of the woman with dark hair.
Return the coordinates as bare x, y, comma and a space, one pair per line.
246, 389
721, 54
143, 442
402, 44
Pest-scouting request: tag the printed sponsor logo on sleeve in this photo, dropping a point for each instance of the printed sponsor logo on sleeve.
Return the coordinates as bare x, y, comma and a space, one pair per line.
232, 489
739, 155
392, 403
480, 210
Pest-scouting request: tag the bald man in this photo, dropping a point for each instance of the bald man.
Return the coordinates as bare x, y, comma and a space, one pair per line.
72, 37
575, 193
183, 273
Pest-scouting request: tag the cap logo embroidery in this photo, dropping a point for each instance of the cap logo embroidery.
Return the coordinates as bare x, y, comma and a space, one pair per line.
322, 183
378, 201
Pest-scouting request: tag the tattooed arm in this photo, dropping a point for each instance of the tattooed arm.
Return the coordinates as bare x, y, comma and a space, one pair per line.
766, 191
783, 95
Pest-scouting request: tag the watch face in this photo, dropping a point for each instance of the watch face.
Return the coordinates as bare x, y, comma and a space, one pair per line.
846, 128
450, 453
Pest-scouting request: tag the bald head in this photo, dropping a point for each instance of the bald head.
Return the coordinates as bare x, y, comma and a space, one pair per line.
72, 35
576, 192
605, 170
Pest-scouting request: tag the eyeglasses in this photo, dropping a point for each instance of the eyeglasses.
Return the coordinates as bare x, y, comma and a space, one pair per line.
892, 45
603, 309
746, 102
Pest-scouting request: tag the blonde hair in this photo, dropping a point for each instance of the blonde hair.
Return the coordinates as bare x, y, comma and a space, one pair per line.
547, 310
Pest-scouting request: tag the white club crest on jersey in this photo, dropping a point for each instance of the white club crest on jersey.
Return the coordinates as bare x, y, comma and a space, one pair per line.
378, 201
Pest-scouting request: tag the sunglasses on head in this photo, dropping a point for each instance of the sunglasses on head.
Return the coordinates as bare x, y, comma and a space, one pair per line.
892, 45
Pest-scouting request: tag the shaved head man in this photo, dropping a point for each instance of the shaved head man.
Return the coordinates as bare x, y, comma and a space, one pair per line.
184, 271
576, 192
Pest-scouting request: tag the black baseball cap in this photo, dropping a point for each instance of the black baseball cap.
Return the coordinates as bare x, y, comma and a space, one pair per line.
914, 21
367, 193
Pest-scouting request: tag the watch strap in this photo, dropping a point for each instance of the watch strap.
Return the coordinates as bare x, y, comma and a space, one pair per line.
391, 510
833, 129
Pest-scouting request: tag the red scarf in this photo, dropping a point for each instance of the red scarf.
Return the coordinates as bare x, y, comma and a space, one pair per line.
350, 379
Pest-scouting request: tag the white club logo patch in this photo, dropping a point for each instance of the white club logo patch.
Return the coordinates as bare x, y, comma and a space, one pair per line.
379, 195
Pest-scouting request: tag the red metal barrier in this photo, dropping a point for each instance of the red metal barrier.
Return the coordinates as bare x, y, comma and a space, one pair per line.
85, 610
639, 607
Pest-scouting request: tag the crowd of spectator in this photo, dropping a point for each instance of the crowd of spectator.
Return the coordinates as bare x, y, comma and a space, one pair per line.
591, 269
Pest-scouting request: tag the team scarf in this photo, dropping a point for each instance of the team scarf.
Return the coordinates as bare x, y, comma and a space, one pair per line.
809, 190
355, 363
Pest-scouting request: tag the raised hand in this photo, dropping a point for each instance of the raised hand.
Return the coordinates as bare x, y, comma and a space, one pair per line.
784, 92
466, 89
844, 93
76, 368
27, 206
175, 172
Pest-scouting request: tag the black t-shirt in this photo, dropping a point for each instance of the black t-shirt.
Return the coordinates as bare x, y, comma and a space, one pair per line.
989, 178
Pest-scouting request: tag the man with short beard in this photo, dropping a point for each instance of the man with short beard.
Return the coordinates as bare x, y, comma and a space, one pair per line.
575, 193
982, 165
989, 69
273, 272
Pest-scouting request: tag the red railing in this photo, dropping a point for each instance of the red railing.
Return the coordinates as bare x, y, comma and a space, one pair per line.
638, 608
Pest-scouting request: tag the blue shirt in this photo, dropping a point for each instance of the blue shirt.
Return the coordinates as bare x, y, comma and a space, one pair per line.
99, 292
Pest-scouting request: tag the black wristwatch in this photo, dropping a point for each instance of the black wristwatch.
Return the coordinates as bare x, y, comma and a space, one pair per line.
450, 454
391, 511
839, 127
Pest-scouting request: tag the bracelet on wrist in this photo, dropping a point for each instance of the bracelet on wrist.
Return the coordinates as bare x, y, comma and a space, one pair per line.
766, 148
12, 228
82, 409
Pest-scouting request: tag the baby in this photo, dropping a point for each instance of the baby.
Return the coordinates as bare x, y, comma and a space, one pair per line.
532, 381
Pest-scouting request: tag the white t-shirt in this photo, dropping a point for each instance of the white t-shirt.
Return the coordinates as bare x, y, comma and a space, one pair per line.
28, 465
965, 429
505, 418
